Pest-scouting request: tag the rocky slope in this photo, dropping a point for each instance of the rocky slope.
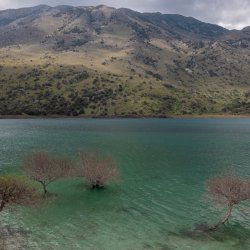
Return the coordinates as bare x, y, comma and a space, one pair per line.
103, 61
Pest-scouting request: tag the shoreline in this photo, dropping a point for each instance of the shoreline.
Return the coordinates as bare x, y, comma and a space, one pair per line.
5, 117
213, 116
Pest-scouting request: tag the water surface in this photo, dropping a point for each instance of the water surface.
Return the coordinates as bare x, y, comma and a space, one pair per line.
164, 164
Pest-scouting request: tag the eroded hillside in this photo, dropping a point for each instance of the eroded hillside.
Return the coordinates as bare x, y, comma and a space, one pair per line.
103, 61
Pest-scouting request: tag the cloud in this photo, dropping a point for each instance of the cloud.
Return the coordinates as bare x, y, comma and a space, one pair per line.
228, 13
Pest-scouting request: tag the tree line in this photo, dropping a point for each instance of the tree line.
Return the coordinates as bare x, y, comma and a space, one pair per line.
44, 168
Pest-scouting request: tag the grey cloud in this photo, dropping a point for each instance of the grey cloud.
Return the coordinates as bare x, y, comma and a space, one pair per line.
228, 13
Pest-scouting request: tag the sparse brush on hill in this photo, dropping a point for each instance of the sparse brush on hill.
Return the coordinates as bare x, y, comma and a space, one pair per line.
100, 61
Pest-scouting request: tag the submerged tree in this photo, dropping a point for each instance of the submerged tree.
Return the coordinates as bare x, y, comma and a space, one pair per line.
15, 191
229, 191
97, 171
45, 168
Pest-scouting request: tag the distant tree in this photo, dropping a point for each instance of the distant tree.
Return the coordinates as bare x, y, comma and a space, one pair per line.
229, 191
15, 191
45, 168
97, 171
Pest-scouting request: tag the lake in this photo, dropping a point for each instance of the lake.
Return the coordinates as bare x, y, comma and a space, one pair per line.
164, 164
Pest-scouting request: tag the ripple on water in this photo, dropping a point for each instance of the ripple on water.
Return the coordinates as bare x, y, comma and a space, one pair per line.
163, 164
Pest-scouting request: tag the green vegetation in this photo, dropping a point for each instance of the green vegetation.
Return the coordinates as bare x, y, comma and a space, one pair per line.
74, 90
120, 63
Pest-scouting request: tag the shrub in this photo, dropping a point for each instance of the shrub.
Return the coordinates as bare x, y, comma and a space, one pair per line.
229, 191
97, 171
15, 191
45, 168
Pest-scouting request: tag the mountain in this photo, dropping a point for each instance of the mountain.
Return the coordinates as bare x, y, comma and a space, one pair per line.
102, 61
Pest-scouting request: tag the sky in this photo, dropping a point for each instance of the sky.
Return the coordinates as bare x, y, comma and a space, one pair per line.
232, 14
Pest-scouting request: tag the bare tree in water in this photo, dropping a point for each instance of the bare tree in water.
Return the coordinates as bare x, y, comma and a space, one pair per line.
45, 168
97, 171
228, 191
14, 190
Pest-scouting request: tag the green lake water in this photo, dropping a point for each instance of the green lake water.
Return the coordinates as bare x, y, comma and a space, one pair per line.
164, 164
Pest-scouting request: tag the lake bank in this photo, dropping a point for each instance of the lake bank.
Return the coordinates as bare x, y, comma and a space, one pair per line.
125, 116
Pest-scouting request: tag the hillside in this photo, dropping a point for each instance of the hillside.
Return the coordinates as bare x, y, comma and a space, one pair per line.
102, 61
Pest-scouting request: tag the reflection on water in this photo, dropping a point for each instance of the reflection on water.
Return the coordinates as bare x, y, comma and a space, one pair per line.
157, 204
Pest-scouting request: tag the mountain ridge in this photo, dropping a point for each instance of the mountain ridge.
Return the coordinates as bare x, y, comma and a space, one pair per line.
98, 60
106, 6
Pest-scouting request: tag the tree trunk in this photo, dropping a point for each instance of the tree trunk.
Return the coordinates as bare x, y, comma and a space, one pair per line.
45, 191
226, 217
2, 205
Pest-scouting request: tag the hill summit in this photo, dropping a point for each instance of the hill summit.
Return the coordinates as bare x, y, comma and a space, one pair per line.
102, 61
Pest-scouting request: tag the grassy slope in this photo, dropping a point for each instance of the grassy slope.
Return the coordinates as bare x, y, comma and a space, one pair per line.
98, 81
121, 66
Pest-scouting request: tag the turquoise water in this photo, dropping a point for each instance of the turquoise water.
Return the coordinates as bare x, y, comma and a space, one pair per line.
164, 164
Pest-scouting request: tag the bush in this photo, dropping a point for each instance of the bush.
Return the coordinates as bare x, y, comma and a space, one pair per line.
45, 168
97, 171
229, 191
14, 190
